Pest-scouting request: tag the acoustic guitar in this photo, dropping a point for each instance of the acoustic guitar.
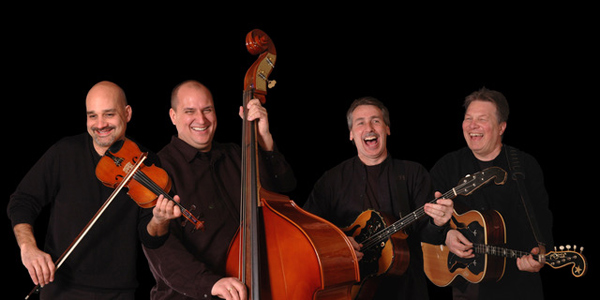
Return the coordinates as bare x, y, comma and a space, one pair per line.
384, 241
487, 231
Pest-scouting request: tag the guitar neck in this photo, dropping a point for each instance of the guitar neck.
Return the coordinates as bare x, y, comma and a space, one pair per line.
403, 222
502, 252
467, 186
415, 215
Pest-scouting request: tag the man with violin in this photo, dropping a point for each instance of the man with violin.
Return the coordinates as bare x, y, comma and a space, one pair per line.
103, 264
206, 174
374, 180
484, 125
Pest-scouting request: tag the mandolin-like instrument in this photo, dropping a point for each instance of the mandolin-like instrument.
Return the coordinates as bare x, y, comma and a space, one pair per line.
487, 231
384, 242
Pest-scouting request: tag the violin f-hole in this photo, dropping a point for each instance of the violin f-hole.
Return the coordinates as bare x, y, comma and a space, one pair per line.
119, 177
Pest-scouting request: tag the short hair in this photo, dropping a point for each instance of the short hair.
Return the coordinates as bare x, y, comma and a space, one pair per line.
368, 100
484, 94
191, 82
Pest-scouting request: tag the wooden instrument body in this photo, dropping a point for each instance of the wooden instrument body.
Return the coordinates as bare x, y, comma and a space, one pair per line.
389, 257
442, 266
487, 231
307, 257
281, 251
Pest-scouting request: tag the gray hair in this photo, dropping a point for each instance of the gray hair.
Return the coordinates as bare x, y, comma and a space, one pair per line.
368, 101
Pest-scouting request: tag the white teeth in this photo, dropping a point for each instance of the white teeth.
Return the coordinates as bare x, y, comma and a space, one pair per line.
476, 134
370, 138
199, 128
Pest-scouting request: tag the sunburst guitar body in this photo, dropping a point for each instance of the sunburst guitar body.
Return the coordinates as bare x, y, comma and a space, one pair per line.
487, 231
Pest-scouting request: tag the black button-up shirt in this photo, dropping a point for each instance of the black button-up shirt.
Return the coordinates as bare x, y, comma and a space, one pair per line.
190, 262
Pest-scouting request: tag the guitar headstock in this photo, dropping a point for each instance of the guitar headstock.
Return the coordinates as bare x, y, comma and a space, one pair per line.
562, 258
470, 183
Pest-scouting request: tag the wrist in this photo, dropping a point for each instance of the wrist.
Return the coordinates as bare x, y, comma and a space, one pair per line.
157, 227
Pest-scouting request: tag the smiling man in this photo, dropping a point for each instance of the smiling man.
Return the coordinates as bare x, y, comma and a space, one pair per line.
206, 173
374, 180
107, 114
103, 265
484, 125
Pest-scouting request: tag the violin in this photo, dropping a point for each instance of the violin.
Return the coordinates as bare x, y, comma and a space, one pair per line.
122, 166
147, 182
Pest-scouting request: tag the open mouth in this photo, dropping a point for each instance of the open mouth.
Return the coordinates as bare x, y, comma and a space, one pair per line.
476, 136
371, 140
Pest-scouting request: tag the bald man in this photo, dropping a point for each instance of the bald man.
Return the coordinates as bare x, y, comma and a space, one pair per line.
103, 265
206, 174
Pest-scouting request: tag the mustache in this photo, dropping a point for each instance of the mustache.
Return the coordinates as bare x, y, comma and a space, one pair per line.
370, 134
110, 127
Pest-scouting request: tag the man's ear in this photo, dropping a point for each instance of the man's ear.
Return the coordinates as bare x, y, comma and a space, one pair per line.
172, 115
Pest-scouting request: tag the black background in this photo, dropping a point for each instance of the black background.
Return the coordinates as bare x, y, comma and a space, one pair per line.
421, 62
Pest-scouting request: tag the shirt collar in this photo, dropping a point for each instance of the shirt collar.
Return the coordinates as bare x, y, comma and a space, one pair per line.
190, 153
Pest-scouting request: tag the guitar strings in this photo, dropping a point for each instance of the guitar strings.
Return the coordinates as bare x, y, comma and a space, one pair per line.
383, 235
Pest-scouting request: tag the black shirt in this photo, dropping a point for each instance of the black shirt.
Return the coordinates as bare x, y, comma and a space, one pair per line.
64, 179
505, 199
345, 191
190, 262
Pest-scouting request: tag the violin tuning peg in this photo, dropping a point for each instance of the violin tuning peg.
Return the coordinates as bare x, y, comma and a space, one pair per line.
561, 248
271, 83
554, 248
568, 247
580, 249
574, 247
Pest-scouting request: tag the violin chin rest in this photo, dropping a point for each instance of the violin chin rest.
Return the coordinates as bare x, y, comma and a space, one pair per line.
116, 146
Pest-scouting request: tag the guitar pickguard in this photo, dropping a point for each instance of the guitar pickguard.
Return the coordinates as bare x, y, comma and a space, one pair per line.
475, 233
369, 264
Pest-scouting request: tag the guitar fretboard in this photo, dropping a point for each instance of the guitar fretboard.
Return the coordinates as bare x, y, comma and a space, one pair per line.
467, 186
406, 220
503, 252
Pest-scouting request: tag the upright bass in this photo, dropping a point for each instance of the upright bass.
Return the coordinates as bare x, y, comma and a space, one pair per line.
281, 251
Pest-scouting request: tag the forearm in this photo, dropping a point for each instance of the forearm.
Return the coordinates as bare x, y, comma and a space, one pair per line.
24, 235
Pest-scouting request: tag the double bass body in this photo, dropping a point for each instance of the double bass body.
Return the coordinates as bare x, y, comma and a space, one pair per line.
306, 256
281, 251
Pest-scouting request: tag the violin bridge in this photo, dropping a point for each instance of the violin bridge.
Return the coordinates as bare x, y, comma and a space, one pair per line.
128, 167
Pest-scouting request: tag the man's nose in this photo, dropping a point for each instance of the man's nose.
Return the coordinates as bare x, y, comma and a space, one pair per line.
101, 122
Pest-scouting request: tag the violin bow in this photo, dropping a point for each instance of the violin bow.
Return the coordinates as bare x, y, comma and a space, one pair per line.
91, 223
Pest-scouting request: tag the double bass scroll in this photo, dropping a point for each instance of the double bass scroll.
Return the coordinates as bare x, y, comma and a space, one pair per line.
281, 251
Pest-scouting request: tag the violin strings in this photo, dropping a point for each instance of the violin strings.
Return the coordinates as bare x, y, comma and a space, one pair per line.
153, 187
142, 178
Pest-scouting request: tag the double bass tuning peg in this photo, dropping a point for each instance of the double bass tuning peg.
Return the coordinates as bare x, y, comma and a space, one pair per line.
270, 83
